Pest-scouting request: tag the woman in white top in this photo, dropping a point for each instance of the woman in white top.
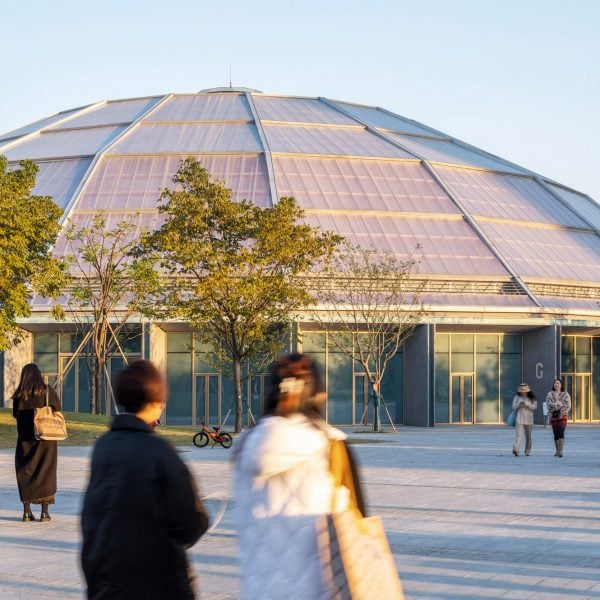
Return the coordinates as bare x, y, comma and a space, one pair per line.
283, 484
525, 404
559, 405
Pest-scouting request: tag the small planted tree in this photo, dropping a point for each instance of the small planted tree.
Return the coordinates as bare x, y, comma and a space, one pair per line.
29, 226
369, 303
106, 288
232, 270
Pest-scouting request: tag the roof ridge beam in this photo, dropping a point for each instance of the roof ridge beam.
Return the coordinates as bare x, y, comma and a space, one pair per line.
266, 148
98, 156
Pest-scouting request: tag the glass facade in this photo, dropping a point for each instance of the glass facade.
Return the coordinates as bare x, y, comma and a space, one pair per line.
349, 395
197, 391
476, 376
580, 368
56, 356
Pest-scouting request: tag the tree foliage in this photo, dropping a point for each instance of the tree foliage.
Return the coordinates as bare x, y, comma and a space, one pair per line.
29, 226
369, 303
233, 270
106, 288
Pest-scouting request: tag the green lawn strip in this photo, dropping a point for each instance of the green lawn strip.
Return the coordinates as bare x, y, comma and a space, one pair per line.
84, 429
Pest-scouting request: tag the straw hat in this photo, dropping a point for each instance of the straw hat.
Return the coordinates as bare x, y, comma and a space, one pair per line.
523, 388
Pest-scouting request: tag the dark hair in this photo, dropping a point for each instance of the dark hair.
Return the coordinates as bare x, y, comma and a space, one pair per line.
531, 395
562, 385
297, 366
138, 384
31, 383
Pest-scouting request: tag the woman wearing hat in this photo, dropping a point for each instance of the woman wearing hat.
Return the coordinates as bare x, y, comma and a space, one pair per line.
525, 404
559, 405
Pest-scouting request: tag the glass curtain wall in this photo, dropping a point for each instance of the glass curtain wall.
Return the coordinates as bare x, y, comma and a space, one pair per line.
56, 355
476, 376
580, 369
349, 395
197, 391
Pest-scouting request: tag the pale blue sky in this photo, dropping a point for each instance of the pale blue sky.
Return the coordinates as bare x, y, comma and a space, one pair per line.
519, 78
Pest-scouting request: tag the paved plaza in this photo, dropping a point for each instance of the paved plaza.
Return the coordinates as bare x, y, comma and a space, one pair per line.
465, 518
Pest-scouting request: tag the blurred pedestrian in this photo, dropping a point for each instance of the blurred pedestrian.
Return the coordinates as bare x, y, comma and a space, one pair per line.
35, 460
141, 509
283, 484
546, 415
525, 404
559, 405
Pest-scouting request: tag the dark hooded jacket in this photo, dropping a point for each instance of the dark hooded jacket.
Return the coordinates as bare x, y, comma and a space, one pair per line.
141, 511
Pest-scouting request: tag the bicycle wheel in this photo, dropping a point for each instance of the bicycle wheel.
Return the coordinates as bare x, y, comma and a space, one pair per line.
226, 440
200, 439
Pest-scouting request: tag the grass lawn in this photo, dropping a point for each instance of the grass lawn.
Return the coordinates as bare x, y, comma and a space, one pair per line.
84, 429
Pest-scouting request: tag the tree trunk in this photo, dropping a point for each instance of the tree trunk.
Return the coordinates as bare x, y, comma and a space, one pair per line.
98, 387
237, 386
376, 411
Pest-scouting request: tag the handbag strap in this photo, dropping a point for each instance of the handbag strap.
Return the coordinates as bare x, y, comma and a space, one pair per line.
343, 473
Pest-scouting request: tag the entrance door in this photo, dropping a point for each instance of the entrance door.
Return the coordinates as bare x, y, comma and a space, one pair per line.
208, 399
361, 398
461, 398
579, 388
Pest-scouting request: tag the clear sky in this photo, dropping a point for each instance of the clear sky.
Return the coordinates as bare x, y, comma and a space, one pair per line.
519, 78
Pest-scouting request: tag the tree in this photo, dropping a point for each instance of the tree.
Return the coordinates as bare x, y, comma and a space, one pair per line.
107, 286
233, 270
369, 303
29, 226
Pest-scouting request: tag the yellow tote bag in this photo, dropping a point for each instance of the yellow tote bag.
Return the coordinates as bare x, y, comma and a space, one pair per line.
356, 559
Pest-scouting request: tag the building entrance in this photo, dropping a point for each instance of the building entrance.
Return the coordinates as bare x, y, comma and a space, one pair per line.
461, 398
207, 390
579, 387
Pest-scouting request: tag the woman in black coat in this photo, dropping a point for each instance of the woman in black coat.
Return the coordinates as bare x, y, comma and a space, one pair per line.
141, 509
35, 460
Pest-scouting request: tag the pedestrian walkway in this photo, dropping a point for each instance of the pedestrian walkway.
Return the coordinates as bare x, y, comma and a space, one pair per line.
466, 519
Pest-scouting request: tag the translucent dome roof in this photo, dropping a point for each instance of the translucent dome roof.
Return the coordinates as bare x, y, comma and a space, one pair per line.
489, 232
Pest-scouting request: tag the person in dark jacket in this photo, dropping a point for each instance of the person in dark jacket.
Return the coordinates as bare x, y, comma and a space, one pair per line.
141, 509
35, 460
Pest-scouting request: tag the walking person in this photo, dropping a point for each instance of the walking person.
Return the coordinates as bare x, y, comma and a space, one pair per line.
141, 508
35, 460
559, 405
283, 485
525, 404
546, 415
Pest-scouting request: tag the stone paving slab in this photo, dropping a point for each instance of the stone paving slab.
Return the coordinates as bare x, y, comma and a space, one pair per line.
466, 520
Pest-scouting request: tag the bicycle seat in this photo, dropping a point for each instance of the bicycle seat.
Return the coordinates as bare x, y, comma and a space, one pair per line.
217, 428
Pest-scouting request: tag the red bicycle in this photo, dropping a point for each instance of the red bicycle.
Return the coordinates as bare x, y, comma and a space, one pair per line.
215, 434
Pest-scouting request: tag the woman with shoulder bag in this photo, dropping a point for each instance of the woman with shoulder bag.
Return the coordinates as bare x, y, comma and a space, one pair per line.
35, 460
559, 405
525, 404
283, 484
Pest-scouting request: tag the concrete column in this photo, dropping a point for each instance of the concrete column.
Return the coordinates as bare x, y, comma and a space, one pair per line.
15, 359
541, 362
157, 352
418, 395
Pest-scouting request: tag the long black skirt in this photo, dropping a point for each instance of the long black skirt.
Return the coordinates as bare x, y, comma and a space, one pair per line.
35, 463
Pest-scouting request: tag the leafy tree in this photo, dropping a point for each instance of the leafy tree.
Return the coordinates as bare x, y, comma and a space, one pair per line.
373, 304
107, 286
28, 229
234, 271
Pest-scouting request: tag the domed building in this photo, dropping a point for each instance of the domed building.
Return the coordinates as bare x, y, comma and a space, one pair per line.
511, 258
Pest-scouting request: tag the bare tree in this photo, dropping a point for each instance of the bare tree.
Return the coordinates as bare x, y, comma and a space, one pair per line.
369, 303
106, 287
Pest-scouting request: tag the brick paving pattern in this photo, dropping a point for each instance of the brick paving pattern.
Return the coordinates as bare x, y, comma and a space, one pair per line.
466, 520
